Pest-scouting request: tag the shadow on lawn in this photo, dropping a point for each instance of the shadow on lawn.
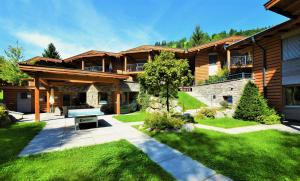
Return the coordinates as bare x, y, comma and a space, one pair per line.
270, 155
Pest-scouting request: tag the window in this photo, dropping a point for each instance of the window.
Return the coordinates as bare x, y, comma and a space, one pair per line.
292, 96
24, 95
102, 97
228, 99
213, 59
291, 48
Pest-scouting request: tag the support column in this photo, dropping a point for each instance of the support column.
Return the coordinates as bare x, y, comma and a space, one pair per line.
125, 63
82, 65
36, 99
149, 57
103, 64
48, 101
228, 60
52, 99
117, 99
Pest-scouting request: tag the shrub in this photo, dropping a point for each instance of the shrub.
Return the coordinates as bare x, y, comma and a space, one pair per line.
251, 104
143, 100
206, 113
4, 118
268, 119
163, 121
225, 104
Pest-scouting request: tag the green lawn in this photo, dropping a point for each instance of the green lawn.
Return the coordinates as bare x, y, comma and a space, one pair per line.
188, 102
133, 117
14, 138
111, 161
225, 122
264, 155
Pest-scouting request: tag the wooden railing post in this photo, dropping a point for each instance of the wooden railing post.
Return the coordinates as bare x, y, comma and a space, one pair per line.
228, 59
125, 64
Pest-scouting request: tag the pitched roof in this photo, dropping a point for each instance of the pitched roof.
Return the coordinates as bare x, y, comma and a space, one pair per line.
91, 53
149, 48
224, 41
38, 59
288, 8
275, 30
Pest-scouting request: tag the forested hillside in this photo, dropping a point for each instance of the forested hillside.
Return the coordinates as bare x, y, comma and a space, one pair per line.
199, 37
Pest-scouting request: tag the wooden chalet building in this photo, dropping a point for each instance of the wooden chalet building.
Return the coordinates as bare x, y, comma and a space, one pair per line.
276, 59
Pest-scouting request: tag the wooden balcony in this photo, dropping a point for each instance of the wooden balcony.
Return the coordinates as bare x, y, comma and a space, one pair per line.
241, 61
134, 68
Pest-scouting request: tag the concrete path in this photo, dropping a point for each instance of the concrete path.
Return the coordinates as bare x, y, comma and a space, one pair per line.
247, 129
59, 134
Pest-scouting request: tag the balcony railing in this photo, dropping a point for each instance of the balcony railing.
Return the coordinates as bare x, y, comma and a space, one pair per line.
94, 68
242, 60
136, 67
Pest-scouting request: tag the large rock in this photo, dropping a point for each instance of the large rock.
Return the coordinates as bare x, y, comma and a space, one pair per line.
158, 105
189, 127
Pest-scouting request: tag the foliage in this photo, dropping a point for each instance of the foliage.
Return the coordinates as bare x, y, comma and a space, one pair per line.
206, 113
199, 37
225, 104
133, 117
225, 122
163, 76
117, 160
143, 100
163, 121
221, 76
247, 156
9, 70
14, 138
252, 106
51, 52
4, 118
271, 118
188, 102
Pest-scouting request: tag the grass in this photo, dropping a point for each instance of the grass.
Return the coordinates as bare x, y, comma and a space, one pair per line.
264, 155
111, 161
188, 102
133, 117
225, 122
14, 138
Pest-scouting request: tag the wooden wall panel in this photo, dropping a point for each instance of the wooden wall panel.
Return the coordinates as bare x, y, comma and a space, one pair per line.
201, 66
273, 72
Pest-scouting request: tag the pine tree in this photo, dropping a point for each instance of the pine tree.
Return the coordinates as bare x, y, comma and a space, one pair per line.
199, 37
51, 52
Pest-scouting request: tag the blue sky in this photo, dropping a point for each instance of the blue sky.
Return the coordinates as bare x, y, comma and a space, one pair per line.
75, 26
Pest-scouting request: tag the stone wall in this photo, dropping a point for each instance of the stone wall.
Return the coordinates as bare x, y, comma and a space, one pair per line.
127, 86
213, 94
92, 95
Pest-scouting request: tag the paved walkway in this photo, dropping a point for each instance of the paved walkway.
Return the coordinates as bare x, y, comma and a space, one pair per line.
59, 134
247, 129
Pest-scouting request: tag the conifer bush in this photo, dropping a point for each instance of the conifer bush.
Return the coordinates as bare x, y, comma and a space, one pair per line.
254, 107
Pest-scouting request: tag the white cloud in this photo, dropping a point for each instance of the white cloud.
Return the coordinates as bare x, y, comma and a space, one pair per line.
42, 41
86, 29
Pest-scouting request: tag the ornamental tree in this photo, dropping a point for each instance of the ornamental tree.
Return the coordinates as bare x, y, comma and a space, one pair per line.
9, 70
164, 75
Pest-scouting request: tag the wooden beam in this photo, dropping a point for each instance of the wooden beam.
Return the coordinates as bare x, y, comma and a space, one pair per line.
228, 59
82, 65
125, 64
36, 99
103, 64
48, 101
117, 99
44, 82
149, 57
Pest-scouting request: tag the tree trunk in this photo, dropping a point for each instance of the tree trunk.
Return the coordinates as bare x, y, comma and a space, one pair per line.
168, 106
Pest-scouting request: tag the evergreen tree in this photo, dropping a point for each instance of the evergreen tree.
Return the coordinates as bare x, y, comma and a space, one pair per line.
51, 52
199, 37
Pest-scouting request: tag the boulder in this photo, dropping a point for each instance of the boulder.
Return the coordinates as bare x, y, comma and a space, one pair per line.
189, 127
